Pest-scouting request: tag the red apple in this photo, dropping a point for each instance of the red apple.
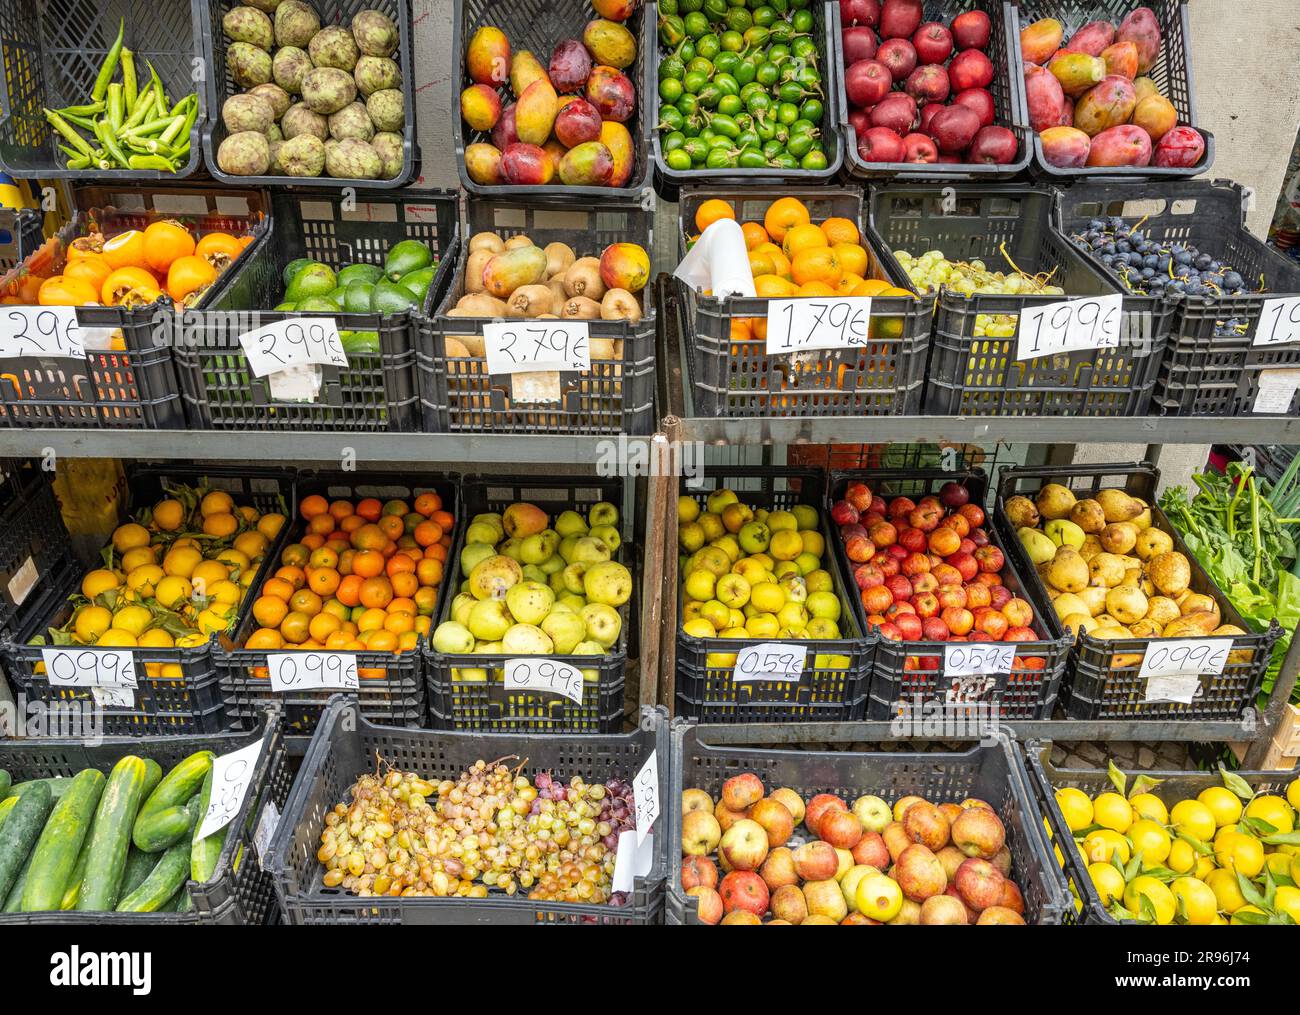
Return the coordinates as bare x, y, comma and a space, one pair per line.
993, 146
933, 43
744, 845
709, 908
990, 559
860, 12
877, 599
859, 549
880, 144
928, 83
973, 513
946, 574
866, 82
935, 629
740, 791
909, 538
898, 56
965, 563
889, 631
970, 69
900, 506
1018, 613
915, 563
910, 626
841, 828
959, 619
883, 534
989, 621
926, 605
954, 127
843, 513
1000, 596
868, 576
900, 18
859, 43
859, 495
817, 808
1020, 634
977, 595
925, 582
944, 541
971, 30
980, 100
860, 120
952, 597
897, 111
870, 849
744, 890
698, 870
900, 587
927, 114
919, 148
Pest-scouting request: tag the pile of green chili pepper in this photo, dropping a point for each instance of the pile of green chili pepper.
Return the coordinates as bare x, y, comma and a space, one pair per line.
131, 124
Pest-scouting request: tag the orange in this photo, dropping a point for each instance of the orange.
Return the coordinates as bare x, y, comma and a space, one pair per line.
337, 609
760, 263
780, 262
336, 641
816, 289
400, 563
782, 215
313, 541
445, 520
425, 600
774, 287
368, 564
221, 526
376, 592
802, 238
404, 584
278, 588
427, 533
323, 558
870, 287
166, 242
295, 555
324, 581
712, 211
819, 264
370, 509
427, 503
269, 610
345, 560
323, 625
265, 640
296, 627
321, 525
313, 505
401, 604
438, 551
852, 256
125, 250
382, 641
840, 230
295, 576
349, 590
396, 506
371, 620
429, 572
392, 526
847, 284
411, 639
754, 234
369, 537
741, 329
306, 601
399, 623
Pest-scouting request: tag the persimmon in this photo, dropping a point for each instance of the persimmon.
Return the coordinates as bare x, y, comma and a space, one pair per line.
218, 249
92, 269
166, 242
188, 276
125, 250
62, 291
129, 286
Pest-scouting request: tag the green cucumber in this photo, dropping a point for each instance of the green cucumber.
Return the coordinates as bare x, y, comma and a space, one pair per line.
162, 821
205, 852
57, 786
20, 832
138, 865
73, 891
6, 805
56, 851
14, 900
168, 876
5, 782
152, 777
111, 835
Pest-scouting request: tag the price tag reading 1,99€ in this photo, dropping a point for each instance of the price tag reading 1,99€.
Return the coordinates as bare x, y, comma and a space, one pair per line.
541, 674
306, 671
800, 325
40, 331
294, 341
524, 347
84, 667
1072, 326
1279, 322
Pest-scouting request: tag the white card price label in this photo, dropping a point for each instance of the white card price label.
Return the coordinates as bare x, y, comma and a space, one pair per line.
975, 658
1070, 326
113, 697
40, 331
633, 860
1193, 656
521, 347
1279, 322
231, 776
770, 660
645, 796
799, 325
1179, 687
307, 671
1275, 390
84, 667
295, 341
543, 674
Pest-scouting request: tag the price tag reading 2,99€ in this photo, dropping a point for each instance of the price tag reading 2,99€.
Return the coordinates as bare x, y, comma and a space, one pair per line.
1072, 326
40, 331
306, 671
525, 347
1197, 656
800, 325
294, 341
543, 674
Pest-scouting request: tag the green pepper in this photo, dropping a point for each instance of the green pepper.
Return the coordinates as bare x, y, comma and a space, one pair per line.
63, 127
109, 67
129, 88
115, 106
151, 162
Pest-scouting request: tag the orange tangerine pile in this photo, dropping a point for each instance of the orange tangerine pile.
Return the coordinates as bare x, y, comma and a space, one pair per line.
363, 577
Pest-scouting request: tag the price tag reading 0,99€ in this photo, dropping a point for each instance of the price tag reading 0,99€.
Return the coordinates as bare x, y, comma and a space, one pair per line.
541, 674
1185, 656
1072, 326
305, 671
85, 667
802, 325
295, 341
525, 347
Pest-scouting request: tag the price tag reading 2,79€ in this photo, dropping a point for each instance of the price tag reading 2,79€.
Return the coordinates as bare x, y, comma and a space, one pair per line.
294, 341
1071, 326
40, 331
525, 347
541, 674
801, 325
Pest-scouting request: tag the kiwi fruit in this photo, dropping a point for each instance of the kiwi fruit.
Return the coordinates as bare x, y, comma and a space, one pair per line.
558, 258
530, 301
474, 266
518, 241
478, 305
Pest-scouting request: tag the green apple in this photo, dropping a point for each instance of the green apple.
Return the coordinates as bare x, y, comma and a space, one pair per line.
751, 570
824, 604
556, 583
786, 568
728, 545
822, 628
489, 620
511, 548
690, 537
493, 519
609, 583
819, 581
481, 532
603, 623
831, 662
712, 526
590, 550
493, 576
806, 516
716, 614
688, 509
527, 640
711, 558
700, 585
795, 588
607, 534
472, 554
849, 883
602, 513
779, 521
552, 564
733, 590
566, 548
562, 607
570, 523
460, 607
539, 546
793, 617
719, 499
573, 601
533, 573
590, 648
530, 602
565, 629
807, 563
453, 638
754, 537
573, 578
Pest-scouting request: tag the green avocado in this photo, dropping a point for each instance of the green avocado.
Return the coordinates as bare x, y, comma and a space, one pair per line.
406, 257
313, 280
391, 298
360, 343
418, 281
295, 266
335, 295
318, 305
356, 297
286, 306
360, 273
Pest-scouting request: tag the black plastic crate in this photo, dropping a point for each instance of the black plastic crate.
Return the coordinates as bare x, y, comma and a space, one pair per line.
1008, 100
179, 691
1103, 680
909, 676
52, 55
21, 233
390, 685
34, 549
1208, 369
374, 392
991, 771
1170, 786
460, 702
538, 26
459, 395
669, 181
240, 892
220, 85
345, 747
707, 690
976, 375
1172, 73
731, 372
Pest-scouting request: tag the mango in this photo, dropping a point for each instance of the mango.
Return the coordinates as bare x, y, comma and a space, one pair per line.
503, 134
511, 269
1144, 87
1092, 38
524, 70
577, 122
615, 137
1156, 115
1045, 97
1141, 27
570, 66
625, 266
556, 150
1065, 147
613, 95
1077, 72
487, 58
1041, 39
1125, 145
1121, 59
590, 164
609, 43
480, 106
1067, 113
535, 112
483, 163
526, 165
1106, 105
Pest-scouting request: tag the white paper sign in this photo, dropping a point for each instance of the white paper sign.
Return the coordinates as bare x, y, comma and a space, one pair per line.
22, 582
976, 658
293, 342
1275, 392
231, 776
40, 331
266, 826
309, 671
84, 667
113, 697
798, 325
542, 674
645, 796
770, 660
522, 347
632, 860
1180, 687
1182, 656
1279, 322
1070, 326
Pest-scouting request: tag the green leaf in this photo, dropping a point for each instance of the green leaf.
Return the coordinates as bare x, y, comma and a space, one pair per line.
1116, 862
1120, 913
1257, 825
1163, 874
1237, 784
1201, 848
1270, 889
1134, 867
1252, 919
1147, 909
1117, 778
1249, 892
1283, 839
1143, 784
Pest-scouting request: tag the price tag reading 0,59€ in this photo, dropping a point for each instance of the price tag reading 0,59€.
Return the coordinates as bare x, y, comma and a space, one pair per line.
305, 671
525, 347
544, 675
801, 325
295, 341
40, 331
770, 660
84, 667
1072, 326
971, 658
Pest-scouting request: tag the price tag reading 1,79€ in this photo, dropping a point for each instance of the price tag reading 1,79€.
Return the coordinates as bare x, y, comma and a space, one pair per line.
305, 671
1185, 656
231, 776
84, 667
770, 660
645, 796
525, 347
1050, 328
800, 325
543, 674
1279, 322
40, 331
970, 658
294, 341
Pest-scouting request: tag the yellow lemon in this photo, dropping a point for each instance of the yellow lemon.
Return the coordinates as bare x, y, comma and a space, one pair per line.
1199, 904
191, 641
156, 637
144, 579
226, 592
97, 581
1076, 807
1155, 892
1194, 818
1104, 843
1148, 805
1240, 852
211, 621
1108, 881
218, 502
234, 560
132, 619
220, 525
130, 537
246, 577
1293, 794
253, 544
1273, 809
1224, 804
1279, 864
1110, 810
181, 561
248, 514
169, 515
173, 591
1204, 865
138, 557
91, 622
113, 638
209, 573
189, 541
1151, 840
1287, 900
1182, 858
270, 525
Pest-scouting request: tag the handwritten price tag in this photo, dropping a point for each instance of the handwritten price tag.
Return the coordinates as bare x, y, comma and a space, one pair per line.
770, 661
1179, 687
293, 342
84, 667
633, 860
544, 675
645, 796
305, 671
40, 331
1279, 322
802, 324
1071, 326
522, 347
1275, 391
113, 697
975, 658
231, 776
1193, 656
